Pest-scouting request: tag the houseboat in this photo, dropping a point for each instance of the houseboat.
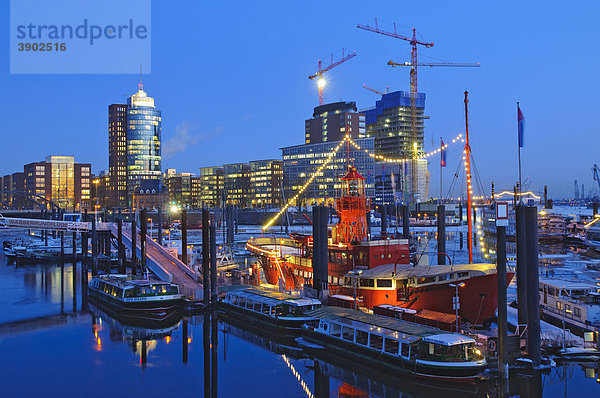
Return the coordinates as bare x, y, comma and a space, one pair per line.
269, 308
429, 287
572, 305
394, 345
146, 300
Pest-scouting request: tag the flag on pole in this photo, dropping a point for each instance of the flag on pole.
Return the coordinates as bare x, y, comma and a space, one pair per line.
521, 121
443, 156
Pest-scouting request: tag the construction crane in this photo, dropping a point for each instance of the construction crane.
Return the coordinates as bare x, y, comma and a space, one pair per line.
387, 89
413, 78
319, 75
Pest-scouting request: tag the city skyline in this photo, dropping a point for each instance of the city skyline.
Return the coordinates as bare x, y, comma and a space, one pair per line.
248, 109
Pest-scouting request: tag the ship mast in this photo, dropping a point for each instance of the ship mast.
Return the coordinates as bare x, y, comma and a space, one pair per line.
469, 187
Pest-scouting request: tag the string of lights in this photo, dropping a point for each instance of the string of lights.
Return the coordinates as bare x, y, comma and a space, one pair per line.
306, 184
330, 157
303, 384
404, 160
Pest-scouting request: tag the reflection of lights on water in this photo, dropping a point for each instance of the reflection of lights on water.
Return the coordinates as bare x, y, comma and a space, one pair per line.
305, 388
168, 339
189, 340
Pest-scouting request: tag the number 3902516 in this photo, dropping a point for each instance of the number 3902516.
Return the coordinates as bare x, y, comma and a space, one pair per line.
42, 47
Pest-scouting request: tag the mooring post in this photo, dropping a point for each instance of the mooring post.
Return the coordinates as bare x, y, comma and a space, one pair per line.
184, 248
74, 246
143, 234
133, 244
521, 265
205, 257
94, 248
502, 311
441, 238
213, 262
62, 247
383, 214
405, 221
533, 295
159, 226
121, 248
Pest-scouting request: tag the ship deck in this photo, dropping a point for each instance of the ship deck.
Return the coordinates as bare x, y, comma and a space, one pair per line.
356, 318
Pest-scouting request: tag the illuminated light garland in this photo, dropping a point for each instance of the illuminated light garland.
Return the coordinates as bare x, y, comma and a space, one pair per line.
519, 194
308, 182
404, 160
358, 147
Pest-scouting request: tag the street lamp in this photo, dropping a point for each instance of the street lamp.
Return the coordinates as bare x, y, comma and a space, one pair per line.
355, 277
96, 182
455, 300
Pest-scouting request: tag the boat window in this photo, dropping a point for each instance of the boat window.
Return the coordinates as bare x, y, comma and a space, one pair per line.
376, 342
442, 277
362, 337
248, 304
129, 293
391, 346
256, 307
551, 291
241, 302
278, 310
577, 311
366, 282
429, 279
266, 308
451, 276
405, 350
559, 305
347, 333
119, 292
335, 330
384, 283
462, 274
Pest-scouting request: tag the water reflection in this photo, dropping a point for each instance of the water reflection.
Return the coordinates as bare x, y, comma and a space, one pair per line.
235, 358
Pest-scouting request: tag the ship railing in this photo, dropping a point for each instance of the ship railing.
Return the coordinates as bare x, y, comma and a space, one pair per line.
273, 241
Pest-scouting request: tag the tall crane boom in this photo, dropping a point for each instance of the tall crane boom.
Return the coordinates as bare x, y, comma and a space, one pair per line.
387, 90
455, 64
413, 82
319, 75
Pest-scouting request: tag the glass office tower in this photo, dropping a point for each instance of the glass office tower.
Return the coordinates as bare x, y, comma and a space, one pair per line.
143, 140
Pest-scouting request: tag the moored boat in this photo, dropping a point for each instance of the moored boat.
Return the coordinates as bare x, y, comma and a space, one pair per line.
430, 287
394, 345
269, 308
136, 299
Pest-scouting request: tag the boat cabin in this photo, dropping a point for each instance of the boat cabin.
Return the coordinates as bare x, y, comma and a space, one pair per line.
573, 301
395, 338
270, 303
134, 290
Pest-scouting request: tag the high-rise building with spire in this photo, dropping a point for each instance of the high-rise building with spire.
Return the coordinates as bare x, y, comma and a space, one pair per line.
143, 140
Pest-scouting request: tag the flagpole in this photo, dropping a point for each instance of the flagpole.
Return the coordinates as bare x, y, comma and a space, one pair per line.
441, 168
519, 146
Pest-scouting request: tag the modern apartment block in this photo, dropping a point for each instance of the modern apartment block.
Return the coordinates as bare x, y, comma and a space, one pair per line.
117, 155
266, 183
301, 161
330, 121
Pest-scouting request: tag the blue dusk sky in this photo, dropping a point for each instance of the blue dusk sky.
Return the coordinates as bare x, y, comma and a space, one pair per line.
231, 81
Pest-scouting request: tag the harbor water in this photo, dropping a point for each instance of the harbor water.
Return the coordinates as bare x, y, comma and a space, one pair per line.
53, 343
